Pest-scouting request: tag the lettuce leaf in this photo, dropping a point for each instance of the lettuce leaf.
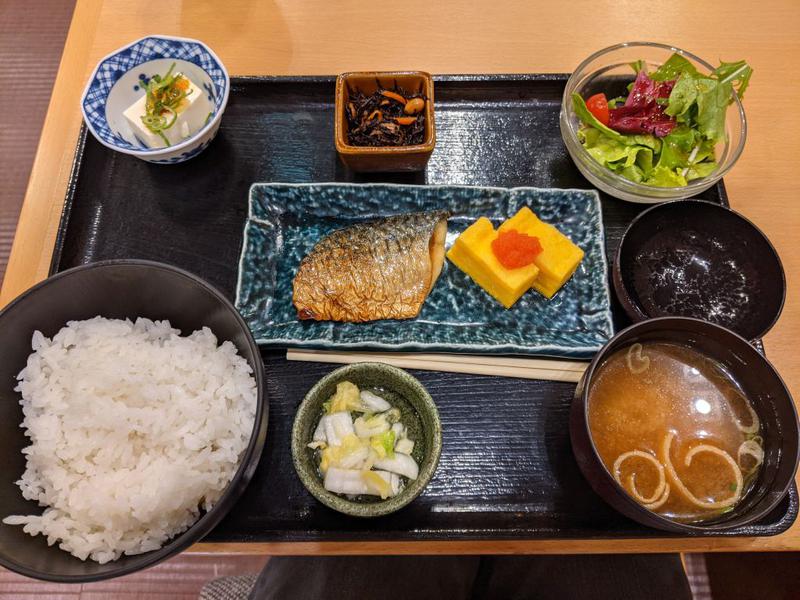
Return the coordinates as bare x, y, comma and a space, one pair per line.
615, 102
633, 173
668, 168
607, 149
712, 103
736, 73
682, 137
705, 152
603, 148
677, 147
675, 66
644, 161
638, 66
700, 170
682, 98
702, 100
664, 177
632, 161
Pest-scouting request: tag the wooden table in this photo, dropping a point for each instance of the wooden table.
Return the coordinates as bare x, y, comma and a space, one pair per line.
304, 37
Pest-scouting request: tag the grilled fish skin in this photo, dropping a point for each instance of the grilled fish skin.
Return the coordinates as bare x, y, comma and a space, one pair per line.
382, 269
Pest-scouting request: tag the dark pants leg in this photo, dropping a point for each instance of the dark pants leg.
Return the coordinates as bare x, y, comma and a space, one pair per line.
367, 578
583, 577
593, 577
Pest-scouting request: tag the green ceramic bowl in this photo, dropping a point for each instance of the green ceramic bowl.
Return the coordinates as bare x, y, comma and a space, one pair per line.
419, 414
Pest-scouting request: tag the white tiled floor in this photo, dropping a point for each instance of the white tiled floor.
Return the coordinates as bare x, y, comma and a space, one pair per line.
695, 565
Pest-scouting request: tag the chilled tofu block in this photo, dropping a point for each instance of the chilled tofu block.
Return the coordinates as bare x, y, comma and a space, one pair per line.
192, 115
472, 253
559, 257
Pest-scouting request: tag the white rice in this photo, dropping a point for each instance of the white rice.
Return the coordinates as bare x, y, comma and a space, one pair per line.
135, 430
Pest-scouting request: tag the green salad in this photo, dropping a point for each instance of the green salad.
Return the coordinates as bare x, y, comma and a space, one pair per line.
663, 133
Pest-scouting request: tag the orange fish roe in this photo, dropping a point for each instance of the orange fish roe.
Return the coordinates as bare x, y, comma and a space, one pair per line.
514, 249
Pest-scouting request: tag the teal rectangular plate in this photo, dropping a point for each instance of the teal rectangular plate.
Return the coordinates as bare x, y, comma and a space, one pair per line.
285, 221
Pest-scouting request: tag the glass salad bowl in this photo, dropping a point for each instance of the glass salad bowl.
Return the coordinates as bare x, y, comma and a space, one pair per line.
609, 71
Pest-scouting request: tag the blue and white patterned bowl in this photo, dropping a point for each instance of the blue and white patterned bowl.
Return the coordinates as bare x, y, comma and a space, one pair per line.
116, 83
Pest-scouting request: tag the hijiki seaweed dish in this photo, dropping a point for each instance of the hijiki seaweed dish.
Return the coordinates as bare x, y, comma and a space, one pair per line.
386, 117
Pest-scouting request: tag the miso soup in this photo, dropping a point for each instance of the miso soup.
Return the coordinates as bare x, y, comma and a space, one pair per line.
675, 430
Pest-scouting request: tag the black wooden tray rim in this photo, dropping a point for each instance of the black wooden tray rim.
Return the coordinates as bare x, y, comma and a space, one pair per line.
780, 524
444, 77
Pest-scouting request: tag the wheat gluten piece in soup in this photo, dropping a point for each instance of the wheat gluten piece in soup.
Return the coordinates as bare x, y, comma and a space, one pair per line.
675, 430
135, 430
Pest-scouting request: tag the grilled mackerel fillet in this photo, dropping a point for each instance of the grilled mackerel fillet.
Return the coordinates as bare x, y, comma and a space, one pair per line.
383, 269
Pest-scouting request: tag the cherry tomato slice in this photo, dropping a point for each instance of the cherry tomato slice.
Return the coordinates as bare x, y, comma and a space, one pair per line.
598, 106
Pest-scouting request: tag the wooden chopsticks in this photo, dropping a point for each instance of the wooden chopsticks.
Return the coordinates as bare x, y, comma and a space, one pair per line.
501, 366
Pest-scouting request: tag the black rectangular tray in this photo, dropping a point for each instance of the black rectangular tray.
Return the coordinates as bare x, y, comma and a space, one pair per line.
507, 469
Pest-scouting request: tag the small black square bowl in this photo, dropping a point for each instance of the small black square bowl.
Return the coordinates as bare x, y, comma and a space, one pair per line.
116, 290
760, 382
